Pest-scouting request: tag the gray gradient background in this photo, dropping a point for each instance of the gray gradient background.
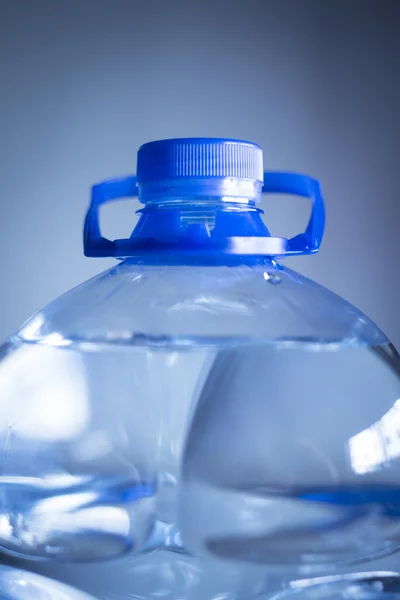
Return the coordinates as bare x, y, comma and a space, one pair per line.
85, 82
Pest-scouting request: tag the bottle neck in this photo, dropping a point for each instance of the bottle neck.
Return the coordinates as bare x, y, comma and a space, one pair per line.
213, 220
198, 205
213, 191
200, 228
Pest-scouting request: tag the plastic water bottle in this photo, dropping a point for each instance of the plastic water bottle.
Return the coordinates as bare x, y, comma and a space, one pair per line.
199, 399
16, 584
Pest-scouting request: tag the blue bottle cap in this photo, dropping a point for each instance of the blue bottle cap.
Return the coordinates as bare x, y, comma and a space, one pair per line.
196, 158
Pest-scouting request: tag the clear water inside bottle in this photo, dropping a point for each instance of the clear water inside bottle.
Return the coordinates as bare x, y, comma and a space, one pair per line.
16, 584
268, 474
92, 438
293, 456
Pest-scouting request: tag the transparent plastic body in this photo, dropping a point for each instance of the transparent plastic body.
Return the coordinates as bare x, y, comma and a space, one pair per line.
286, 395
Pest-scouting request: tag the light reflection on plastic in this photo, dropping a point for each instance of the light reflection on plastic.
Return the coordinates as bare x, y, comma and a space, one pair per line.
373, 447
56, 339
43, 394
32, 327
65, 503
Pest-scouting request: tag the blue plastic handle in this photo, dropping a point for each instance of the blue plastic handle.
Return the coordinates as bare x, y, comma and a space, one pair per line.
115, 189
282, 183
295, 184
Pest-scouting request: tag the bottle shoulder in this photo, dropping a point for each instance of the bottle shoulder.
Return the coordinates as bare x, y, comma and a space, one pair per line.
132, 303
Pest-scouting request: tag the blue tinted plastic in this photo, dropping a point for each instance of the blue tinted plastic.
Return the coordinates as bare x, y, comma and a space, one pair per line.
300, 185
238, 233
207, 189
